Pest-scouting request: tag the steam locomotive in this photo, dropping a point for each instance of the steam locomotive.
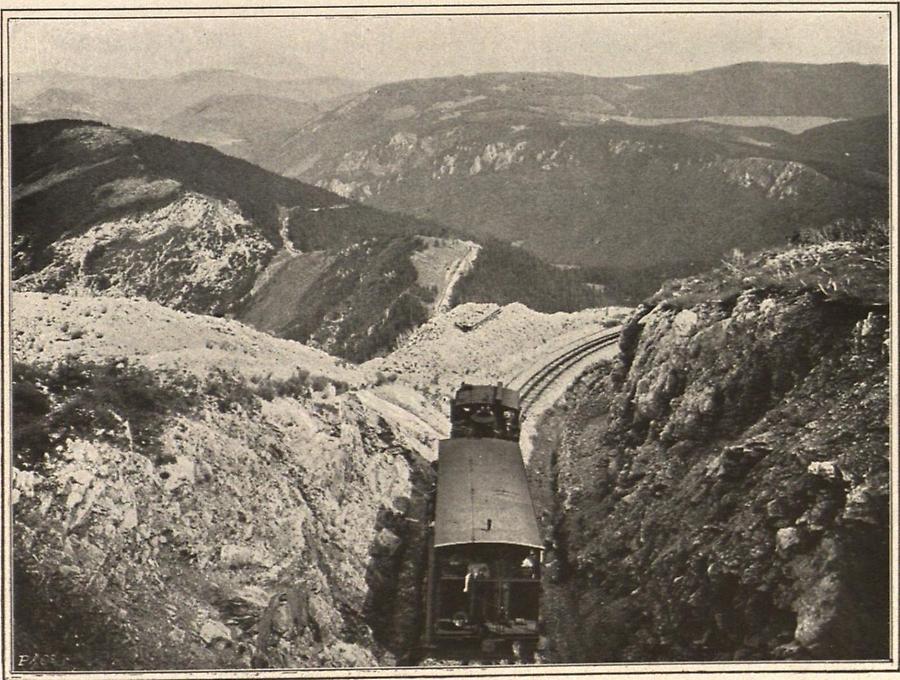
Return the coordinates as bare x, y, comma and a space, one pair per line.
484, 548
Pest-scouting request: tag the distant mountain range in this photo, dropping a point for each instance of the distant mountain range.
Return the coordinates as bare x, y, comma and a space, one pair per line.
214, 106
562, 165
637, 179
249, 126
108, 211
198, 105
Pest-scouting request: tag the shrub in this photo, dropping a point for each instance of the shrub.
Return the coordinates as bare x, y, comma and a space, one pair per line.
230, 391
870, 231
319, 383
265, 391
52, 403
295, 386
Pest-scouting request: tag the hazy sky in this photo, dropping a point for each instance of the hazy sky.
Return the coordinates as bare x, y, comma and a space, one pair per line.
383, 49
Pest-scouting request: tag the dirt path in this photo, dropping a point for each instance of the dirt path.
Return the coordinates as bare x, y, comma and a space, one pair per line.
283, 217
460, 268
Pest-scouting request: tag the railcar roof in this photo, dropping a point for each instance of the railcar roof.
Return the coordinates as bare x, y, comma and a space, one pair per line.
481, 480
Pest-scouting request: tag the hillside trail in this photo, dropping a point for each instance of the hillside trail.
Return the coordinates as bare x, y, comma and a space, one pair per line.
287, 252
456, 271
284, 215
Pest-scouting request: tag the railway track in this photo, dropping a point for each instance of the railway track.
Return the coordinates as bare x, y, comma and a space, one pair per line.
536, 383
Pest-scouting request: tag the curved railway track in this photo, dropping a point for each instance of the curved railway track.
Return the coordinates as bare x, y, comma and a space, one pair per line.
536, 383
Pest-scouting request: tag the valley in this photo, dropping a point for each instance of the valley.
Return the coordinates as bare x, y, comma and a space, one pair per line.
548, 162
240, 307
184, 225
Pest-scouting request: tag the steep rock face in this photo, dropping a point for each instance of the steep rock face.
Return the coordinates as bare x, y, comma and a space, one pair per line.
363, 174
197, 254
172, 518
611, 173
720, 491
602, 194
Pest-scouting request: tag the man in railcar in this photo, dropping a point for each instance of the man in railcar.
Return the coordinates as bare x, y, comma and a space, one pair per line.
478, 572
529, 565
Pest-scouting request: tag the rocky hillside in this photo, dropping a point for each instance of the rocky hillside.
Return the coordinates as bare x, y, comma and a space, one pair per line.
80, 180
192, 493
720, 490
176, 475
485, 343
563, 166
115, 212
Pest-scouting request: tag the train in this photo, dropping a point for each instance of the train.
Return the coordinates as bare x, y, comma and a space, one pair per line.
483, 587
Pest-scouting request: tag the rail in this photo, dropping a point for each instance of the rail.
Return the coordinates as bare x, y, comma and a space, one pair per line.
536, 383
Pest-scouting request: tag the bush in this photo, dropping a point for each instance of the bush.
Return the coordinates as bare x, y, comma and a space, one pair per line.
319, 383
230, 391
113, 401
295, 387
870, 231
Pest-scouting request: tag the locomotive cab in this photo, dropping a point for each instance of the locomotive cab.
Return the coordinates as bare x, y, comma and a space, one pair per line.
485, 547
485, 411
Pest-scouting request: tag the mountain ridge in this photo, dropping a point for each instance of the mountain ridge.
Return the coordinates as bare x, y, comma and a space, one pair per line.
146, 102
596, 194
109, 211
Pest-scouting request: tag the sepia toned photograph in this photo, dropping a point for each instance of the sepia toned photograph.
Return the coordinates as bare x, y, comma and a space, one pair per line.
433, 340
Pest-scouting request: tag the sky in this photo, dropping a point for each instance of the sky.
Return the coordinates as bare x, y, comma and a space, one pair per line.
384, 49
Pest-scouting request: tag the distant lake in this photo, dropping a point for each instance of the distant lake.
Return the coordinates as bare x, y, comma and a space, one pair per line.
792, 124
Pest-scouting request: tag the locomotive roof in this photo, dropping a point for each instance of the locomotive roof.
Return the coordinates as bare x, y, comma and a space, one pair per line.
486, 394
481, 480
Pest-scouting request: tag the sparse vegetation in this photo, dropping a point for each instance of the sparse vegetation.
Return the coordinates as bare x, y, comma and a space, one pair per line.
232, 390
846, 258
385, 378
127, 404
868, 231
114, 401
505, 274
365, 300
